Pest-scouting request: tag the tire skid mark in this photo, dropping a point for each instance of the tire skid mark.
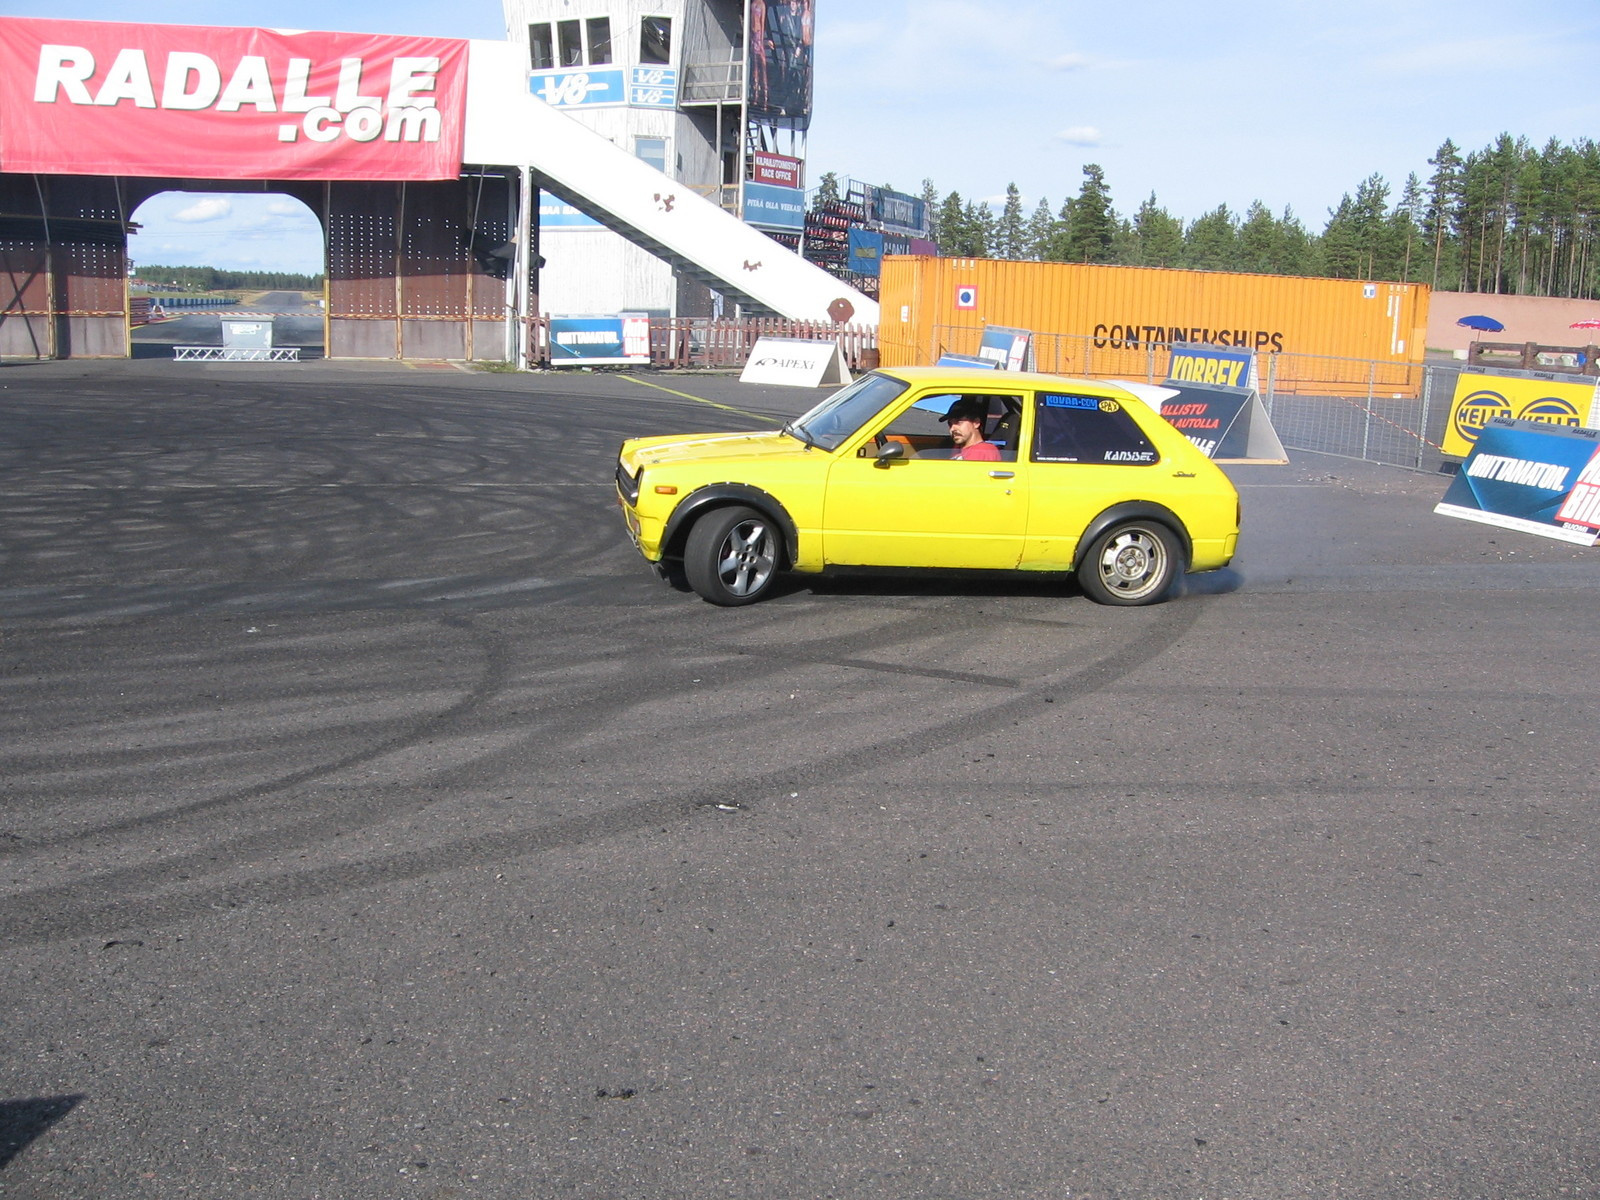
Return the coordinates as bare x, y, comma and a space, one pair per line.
74, 910
490, 682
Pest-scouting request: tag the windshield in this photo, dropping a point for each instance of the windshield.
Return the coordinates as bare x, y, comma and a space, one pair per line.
830, 424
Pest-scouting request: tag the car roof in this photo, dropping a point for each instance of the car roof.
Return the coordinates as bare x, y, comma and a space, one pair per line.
964, 378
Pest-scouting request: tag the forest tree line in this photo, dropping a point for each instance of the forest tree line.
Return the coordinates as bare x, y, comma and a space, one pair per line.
210, 279
1510, 219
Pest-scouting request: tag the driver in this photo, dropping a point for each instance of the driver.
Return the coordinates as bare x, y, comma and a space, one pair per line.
965, 418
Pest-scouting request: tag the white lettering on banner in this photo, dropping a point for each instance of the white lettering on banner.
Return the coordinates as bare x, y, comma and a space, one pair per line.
598, 337
191, 81
63, 67
251, 84
128, 79
1548, 476
346, 99
294, 92
1582, 507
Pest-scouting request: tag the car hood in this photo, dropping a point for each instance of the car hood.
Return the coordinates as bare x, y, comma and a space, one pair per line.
711, 447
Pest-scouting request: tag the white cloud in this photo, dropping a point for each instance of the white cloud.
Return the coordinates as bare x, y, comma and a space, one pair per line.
1080, 135
212, 208
1068, 62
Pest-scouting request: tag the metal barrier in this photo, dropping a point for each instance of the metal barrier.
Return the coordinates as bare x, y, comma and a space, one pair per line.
235, 354
724, 342
1384, 412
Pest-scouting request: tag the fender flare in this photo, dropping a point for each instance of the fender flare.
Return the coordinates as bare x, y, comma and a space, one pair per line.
720, 495
1131, 510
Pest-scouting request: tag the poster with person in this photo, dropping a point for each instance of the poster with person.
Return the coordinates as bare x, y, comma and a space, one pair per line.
780, 62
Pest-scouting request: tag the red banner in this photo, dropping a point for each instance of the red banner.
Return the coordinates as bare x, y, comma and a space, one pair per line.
777, 169
197, 102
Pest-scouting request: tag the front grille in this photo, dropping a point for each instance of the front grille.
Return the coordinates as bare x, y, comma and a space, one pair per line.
628, 485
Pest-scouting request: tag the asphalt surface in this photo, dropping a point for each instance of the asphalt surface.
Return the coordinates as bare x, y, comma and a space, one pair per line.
374, 824
295, 322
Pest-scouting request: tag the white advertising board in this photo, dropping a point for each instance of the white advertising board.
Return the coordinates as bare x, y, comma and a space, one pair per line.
795, 362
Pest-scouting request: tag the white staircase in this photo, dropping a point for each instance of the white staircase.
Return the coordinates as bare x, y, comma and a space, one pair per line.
508, 126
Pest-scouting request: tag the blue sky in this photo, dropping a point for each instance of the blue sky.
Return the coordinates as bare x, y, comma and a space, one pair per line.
1291, 102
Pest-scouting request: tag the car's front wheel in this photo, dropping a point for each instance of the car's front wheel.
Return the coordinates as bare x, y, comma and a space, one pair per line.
1133, 562
731, 556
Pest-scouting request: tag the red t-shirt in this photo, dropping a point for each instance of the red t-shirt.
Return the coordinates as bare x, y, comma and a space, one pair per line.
978, 452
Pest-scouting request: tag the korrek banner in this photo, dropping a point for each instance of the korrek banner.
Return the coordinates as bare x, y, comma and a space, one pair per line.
108, 98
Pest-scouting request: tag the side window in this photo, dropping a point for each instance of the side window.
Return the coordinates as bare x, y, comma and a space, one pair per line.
926, 436
652, 150
569, 40
599, 40
655, 40
1087, 429
541, 49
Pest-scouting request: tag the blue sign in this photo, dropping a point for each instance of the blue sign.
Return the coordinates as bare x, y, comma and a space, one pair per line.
866, 252
1006, 348
558, 214
1530, 476
774, 207
571, 89
1210, 365
583, 341
966, 360
653, 87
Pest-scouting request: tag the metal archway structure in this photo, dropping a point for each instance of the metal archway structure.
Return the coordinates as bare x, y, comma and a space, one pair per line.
411, 269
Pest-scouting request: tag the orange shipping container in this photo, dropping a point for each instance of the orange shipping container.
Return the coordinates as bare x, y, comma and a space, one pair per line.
1117, 322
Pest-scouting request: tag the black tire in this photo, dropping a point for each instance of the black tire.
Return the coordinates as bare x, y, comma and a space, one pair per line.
1133, 562
732, 556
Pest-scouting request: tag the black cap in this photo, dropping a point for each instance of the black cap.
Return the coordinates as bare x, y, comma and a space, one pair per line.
971, 408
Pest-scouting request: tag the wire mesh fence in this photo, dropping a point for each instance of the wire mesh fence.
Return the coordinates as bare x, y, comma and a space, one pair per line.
1383, 412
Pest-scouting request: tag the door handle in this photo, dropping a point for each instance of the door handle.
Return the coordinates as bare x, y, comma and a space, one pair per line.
1002, 474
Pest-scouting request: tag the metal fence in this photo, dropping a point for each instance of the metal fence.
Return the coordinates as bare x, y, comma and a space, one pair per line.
1383, 412
723, 343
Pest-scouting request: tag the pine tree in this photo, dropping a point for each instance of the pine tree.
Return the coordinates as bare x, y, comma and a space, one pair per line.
951, 225
1009, 238
1442, 216
930, 208
1211, 242
1155, 237
1036, 234
827, 190
1093, 231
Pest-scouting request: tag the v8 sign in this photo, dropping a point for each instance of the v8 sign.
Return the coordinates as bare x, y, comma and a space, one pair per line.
105, 98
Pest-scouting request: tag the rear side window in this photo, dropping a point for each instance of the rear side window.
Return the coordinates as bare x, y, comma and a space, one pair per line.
1087, 429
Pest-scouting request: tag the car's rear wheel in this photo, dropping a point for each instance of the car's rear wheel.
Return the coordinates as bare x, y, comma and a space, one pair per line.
1133, 562
731, 556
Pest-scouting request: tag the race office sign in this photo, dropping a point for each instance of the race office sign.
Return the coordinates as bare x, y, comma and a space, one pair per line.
108, 98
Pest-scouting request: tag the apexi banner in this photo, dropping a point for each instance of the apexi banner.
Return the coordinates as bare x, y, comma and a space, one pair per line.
1532, 476
103, 98
1482, 396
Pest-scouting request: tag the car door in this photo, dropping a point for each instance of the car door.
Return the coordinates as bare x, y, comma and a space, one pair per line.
923, 509
1085, 453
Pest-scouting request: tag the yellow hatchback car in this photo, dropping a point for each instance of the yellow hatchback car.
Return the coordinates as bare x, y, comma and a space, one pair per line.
1061, 475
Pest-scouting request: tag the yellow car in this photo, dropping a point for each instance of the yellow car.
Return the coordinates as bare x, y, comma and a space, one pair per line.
1061, 475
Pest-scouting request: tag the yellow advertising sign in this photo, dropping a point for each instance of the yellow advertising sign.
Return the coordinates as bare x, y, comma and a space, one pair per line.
1480, 398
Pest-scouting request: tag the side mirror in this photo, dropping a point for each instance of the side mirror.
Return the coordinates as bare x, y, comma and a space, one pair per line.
888, 452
